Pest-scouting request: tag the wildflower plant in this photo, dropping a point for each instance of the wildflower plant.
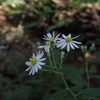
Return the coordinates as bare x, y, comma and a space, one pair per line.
56, 56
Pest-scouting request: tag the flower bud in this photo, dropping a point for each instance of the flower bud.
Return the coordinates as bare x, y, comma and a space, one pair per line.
47, 51
62, 54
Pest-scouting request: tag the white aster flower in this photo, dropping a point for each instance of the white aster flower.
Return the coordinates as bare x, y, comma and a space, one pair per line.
49, 40
68, 42
50, 37
35, 62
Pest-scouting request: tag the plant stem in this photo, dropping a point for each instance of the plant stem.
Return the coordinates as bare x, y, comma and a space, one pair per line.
60, 63
67, 87
50, 61
65, 57
87, 72
52, 52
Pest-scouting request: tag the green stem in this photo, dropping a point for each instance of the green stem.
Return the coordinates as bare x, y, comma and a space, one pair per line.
67, 87
53, 56
60, 63
50, 61
65, 57
87, 72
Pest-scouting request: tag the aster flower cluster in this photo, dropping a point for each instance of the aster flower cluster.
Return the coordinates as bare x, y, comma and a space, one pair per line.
66, 42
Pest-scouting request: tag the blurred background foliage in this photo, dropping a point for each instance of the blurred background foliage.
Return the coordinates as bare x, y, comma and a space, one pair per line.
22, 25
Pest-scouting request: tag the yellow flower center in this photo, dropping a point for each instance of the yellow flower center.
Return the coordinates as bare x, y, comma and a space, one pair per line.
33, 60
68, 39
48, 43
53, 39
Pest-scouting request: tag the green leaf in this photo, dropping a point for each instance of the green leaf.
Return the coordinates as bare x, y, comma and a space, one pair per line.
52, 27
32, 25
11, 85
90, 92
58, 95
69, 99
72, 74
97, 53
46, 8
18, 94
62, 22
16, 2
77, 88
96, 98
93, 61
14, 12
95, 76
3, 79
81, 71
93, 69
33, 81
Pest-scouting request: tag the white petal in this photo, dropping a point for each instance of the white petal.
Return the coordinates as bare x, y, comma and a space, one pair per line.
53, 34
42, 59
40, 55
31, 71
28, 68
60, 44
59, 39
30, 58
28, 63
46, 39
33, 55
49, 35
36, 69
75, 45
40, 63
41, 47
39, 66
58, 35
75, 37
45, 36
47, 48
63, 36
69, 35
77, 42
68, 47
71, 45
64, 45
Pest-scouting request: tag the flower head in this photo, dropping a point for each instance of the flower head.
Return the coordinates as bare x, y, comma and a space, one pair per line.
50, 37
35, 62
50, 40
68, 42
